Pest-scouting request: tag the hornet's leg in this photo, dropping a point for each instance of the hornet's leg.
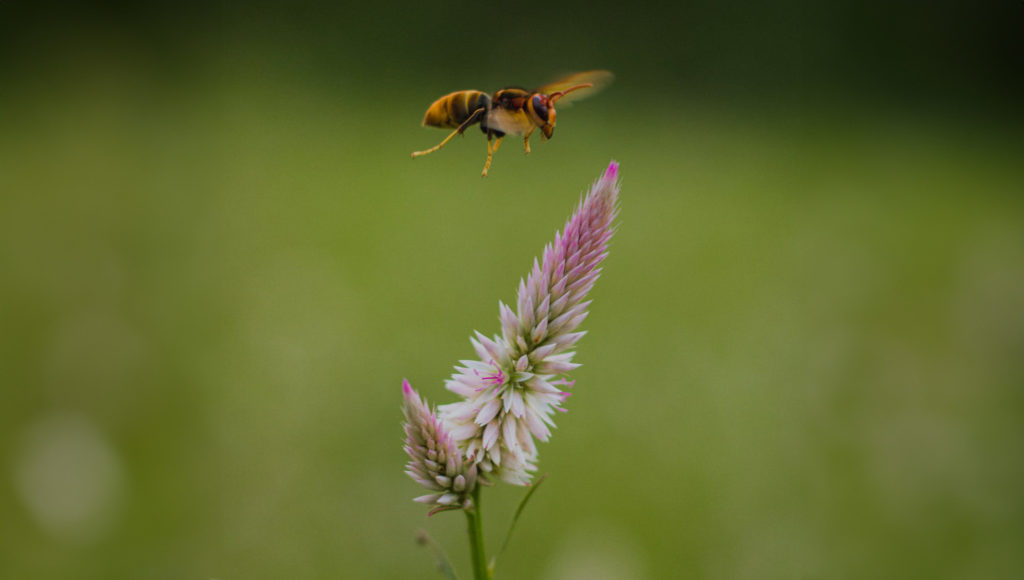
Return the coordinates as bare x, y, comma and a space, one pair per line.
472, 119
490, 152
526, 139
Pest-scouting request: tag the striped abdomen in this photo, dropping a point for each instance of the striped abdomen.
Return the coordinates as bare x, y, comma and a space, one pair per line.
453, 109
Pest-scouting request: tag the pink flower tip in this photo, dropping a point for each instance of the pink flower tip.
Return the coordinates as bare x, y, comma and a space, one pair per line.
612, 173
406, 387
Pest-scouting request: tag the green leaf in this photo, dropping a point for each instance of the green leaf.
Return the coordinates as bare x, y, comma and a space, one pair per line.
515, 519
443, 564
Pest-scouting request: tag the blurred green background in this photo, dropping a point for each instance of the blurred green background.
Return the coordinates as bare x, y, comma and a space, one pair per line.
806, 354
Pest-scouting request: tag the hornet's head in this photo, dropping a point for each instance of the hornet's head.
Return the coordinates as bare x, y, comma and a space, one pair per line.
541, 108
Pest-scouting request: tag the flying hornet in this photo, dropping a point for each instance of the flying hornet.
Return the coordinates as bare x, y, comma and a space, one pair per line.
510, 111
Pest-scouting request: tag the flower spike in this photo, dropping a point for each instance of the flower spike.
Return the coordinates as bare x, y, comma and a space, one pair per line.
510, 394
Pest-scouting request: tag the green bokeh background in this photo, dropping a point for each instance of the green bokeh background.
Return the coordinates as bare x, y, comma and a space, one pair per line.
805, 358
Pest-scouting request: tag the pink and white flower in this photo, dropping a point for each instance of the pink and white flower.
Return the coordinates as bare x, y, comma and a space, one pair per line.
510, 394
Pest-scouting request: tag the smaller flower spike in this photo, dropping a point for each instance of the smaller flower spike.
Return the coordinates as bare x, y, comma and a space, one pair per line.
435, 461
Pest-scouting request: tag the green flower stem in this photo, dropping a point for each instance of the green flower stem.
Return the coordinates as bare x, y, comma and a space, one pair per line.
476, 538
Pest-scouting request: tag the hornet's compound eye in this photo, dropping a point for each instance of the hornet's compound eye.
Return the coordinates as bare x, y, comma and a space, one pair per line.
539, 104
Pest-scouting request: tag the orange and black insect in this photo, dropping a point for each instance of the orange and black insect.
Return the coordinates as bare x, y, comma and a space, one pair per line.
510, 111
